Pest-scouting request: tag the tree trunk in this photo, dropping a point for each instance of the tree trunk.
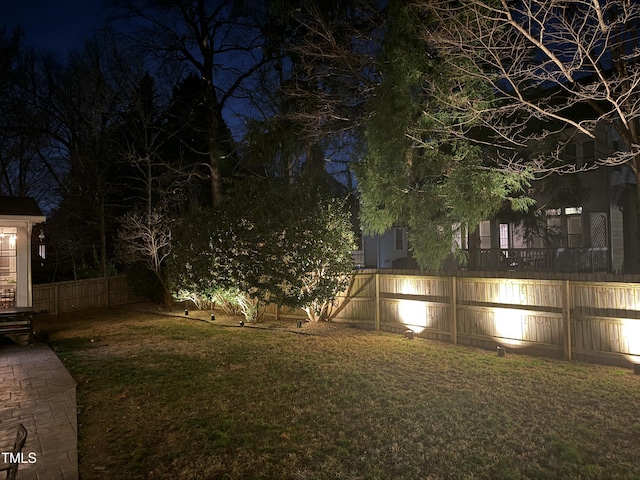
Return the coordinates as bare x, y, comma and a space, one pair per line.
103, 238
216, 177
167, 297
213, 143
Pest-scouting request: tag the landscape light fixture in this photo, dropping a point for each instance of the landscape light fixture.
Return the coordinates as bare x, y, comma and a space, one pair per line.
42, 250
213, 317
241, 323
501, 351
299, 323
186, 312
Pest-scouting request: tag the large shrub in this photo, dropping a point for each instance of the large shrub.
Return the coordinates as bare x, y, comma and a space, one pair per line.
273, 243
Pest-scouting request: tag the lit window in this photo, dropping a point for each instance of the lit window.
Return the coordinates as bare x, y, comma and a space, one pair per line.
504, 236
485, 234
7, 266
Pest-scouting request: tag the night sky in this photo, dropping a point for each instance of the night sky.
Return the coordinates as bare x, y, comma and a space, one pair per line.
59, 26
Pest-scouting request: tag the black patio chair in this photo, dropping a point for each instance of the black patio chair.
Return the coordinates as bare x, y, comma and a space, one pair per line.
12, 468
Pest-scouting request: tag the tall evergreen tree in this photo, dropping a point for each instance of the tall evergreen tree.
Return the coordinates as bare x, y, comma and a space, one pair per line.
416, 173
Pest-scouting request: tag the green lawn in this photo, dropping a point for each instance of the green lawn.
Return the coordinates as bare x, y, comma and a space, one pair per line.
170, 398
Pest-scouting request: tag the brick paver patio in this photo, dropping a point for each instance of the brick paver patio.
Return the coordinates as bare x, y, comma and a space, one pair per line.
37, 391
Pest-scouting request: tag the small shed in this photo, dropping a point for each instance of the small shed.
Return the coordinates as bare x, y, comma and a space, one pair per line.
17, 217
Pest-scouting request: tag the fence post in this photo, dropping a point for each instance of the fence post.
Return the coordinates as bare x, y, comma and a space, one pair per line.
277, 312
56, 300
566, 313
108, 292
454, 311
377, 325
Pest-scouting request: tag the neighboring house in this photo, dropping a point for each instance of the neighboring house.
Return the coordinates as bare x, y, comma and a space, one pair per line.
384, 251
17, 217
593, 234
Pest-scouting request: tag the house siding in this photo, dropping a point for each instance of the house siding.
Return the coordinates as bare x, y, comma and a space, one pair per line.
380, 250
617, 238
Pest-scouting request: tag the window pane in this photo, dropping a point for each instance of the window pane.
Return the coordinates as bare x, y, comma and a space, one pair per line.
399, 239
574, 231
7, 266
485, 234
588, 150
504, 235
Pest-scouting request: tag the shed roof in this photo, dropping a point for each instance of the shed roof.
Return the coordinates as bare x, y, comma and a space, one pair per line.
20, 207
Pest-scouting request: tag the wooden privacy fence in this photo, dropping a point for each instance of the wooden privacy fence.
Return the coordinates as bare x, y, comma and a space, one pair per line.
591, 321
62, 297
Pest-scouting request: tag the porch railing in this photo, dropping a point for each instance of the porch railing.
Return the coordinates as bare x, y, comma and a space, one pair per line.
545, 259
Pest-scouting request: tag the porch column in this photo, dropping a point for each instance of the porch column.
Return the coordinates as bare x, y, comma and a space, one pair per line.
23, 266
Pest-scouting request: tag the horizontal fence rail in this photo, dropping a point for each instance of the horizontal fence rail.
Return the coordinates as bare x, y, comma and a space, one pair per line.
571, 319
63, 297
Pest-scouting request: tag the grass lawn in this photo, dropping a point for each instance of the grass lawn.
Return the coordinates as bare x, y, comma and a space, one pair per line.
163, 397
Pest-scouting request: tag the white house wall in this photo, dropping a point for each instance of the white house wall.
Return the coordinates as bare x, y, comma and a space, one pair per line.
380, 251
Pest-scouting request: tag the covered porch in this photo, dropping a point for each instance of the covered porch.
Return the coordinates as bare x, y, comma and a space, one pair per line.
18, 215
578, 260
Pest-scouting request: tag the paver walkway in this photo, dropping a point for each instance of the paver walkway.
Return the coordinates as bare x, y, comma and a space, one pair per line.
37, 391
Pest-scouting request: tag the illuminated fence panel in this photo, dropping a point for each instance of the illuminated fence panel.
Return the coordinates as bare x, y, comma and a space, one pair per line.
418, 303
421, 317
606, 321
607, 335
433, 287
483, 326
522, 314
594, 321
590, 298
501, 291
